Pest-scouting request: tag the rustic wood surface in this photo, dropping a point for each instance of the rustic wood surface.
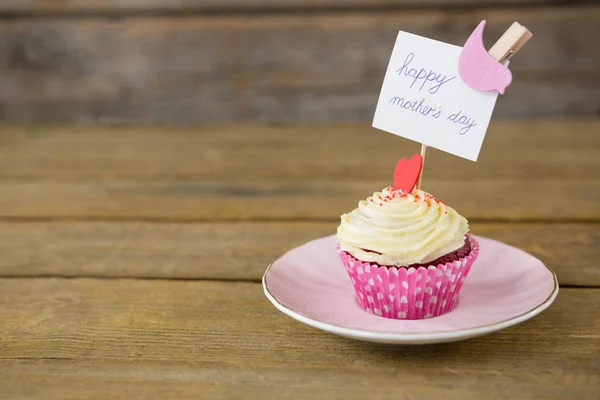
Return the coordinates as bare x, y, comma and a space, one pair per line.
561, 150
132, 258
241, 251
287, 172
285, 67
207, 5
551, 200
124, 339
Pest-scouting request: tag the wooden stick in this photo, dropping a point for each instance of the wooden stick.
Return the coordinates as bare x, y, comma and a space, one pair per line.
423, 150
510, 42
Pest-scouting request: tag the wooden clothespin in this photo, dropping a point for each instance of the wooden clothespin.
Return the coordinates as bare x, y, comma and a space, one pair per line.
510, 42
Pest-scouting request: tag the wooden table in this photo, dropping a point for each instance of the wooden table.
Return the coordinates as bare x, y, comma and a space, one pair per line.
132, 260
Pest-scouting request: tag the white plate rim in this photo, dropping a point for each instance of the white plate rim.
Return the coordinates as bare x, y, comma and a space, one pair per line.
411, 338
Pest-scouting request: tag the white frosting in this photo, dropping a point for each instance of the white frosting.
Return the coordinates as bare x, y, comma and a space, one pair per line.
404, 228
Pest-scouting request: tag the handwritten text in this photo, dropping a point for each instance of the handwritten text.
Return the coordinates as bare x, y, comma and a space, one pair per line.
416, 106
434, 79
419, 106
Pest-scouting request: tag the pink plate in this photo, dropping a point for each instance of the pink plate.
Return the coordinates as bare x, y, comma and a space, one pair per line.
506, 286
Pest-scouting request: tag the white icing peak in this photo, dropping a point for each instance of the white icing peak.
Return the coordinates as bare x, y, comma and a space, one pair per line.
397, 228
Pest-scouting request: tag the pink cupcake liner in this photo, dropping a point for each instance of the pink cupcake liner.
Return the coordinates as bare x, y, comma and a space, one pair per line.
409, 293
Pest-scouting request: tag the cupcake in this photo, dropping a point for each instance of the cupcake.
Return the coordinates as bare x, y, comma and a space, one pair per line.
406, 252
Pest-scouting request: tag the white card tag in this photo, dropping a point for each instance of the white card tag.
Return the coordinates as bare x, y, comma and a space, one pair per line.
424, 99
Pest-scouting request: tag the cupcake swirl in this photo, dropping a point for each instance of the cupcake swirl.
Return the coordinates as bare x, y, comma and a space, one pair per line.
397, 228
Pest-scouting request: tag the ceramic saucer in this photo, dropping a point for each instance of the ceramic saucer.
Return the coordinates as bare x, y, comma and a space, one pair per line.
506, 286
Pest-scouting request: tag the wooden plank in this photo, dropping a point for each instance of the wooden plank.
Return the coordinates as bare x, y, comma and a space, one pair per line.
208, 5
81, 338
298, 200
527, 171
525, 151
328, 67
241, 251
124, 380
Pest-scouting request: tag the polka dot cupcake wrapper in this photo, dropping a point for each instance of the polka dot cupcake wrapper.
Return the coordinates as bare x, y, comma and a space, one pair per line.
409, 293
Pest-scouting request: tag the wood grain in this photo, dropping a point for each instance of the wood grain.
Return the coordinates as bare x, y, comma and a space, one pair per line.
478, 200
524, 151
87, 338
207, 5
307, 172
288, 68
241, 251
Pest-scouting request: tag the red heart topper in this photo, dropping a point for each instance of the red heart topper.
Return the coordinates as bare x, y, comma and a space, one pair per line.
407, 172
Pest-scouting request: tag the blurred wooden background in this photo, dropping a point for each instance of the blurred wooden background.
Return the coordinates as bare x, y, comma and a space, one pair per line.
224, 61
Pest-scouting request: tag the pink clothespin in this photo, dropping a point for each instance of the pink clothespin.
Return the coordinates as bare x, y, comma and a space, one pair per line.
483, 70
